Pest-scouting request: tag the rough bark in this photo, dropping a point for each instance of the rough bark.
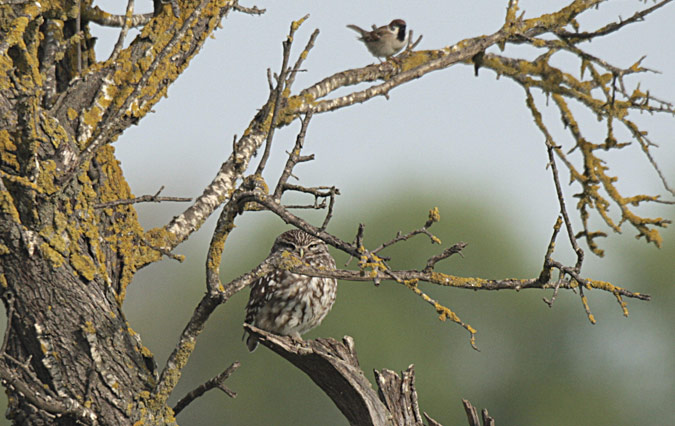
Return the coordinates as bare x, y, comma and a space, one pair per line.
70, 356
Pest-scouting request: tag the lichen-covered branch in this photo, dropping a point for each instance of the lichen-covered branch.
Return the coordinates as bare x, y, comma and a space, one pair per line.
612, 103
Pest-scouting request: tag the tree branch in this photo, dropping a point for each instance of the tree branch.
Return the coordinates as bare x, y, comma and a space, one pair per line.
99, 16
334, 367
216, 382
142, 199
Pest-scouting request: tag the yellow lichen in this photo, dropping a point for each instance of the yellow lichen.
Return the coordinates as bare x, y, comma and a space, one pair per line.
46, 177
71, 113
83, 265
54, 257
434, 215
146, 352
8, 150
89, 328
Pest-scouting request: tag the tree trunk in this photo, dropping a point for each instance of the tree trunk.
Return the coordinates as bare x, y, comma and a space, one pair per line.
69, 354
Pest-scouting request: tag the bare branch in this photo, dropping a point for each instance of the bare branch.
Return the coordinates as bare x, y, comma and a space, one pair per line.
276, 95
216, 382
456, 248
293, 157
434, 216
556, 180
301, 58
610, 28
142, 199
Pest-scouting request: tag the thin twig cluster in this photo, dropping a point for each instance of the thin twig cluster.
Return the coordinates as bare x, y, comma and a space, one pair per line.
254, 194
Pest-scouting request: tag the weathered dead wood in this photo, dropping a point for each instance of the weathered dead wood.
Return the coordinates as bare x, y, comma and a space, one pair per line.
334, 366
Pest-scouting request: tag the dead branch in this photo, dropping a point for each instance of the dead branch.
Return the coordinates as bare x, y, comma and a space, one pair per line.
472, 415
276, 93
216, 382
334, 367
142, 199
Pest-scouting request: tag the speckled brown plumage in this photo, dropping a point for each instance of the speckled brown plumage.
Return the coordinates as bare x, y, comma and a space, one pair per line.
287, 303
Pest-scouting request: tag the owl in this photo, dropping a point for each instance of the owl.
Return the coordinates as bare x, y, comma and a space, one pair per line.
287, 303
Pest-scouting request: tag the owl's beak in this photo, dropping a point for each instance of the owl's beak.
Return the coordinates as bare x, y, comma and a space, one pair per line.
302, 253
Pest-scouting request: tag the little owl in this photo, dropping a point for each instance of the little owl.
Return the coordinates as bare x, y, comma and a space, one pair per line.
287, 303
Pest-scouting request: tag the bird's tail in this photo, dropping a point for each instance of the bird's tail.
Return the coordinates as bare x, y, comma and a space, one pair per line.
357, 29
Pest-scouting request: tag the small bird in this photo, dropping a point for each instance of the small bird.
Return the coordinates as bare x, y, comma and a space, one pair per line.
384, 41
290, 304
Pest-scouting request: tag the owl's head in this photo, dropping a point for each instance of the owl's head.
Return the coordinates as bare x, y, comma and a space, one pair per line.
299, 243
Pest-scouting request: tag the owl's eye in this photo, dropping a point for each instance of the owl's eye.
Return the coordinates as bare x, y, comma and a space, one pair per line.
314, 246
287, 246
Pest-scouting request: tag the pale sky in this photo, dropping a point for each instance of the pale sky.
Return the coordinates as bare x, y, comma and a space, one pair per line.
469, 135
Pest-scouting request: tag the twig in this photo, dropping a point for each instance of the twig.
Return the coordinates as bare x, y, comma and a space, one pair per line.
142, 199
433, 217
430, 420
610, 28
411, 45
331, 204
301, 58
359, 237
456, 248
545, 275
314, 206
216, 382
444, 313
293, 156
550, 146
277, 95
123, 32
178, 359
254, 10
472, 415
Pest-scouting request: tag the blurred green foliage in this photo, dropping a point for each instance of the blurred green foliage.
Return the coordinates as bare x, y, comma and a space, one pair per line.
536, 365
